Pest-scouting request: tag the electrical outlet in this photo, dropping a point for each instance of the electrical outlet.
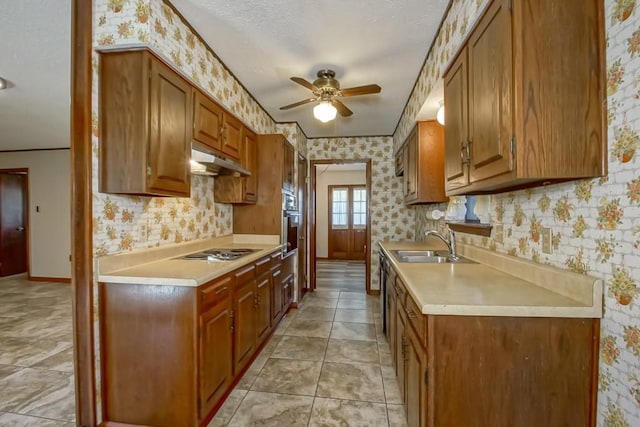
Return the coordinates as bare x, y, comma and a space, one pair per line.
498, 233
547, 238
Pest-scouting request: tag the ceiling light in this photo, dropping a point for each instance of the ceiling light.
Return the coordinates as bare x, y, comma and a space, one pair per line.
3, 83
324, 112
440, 114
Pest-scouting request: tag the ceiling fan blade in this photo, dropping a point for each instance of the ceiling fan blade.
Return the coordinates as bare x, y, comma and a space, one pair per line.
342, 109
361, 90
296, 104
304, 83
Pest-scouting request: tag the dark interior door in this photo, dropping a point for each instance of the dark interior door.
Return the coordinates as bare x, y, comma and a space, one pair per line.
347, 222
13, 223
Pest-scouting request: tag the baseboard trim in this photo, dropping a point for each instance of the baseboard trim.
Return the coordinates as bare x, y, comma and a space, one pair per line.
374, 292
49, 279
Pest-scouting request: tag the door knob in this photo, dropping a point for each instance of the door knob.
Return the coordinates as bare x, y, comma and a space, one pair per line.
20, 229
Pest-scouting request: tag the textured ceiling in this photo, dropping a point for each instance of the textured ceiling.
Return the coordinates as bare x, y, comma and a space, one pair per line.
35, 52
264, 42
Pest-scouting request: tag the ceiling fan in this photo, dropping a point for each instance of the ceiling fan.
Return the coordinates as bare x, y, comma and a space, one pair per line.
326, 90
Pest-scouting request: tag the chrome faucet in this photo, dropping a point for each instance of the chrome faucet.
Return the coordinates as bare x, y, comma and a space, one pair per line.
450, 242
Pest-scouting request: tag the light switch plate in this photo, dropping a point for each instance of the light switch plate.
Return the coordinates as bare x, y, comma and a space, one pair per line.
498, 233
547, 239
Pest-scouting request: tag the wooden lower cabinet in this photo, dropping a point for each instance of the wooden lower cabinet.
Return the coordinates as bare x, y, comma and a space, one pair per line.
216, 332
170, 354
485, 371
263, 309
244, 318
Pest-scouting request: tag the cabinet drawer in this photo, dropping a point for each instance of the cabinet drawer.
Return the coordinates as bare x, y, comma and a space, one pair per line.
417, 319
213, 292
263, 265
245, 275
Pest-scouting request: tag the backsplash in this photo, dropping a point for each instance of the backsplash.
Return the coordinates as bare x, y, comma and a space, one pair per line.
390, 218
596, 223
125, 223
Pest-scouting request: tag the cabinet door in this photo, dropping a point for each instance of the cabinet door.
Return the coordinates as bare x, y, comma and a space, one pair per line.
263, 314
276, 294
232, 137
490, 94
399, 162
416, 395
244, 319
207, 121
391, 317
250, 162
170, 132
216, 364
456, 130
287, 176
400, 349
411, 168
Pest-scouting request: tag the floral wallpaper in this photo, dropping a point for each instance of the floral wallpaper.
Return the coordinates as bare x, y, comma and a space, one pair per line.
124, 223
595, 223
390, 218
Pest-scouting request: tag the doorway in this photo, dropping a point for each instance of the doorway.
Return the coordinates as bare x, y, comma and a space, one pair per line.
347, 222
13, 221
340, 215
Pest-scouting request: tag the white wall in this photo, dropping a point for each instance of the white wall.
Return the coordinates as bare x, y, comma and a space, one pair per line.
323, 180
50, 228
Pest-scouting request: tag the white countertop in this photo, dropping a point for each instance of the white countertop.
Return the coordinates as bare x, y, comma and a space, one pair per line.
498, 285
159, 266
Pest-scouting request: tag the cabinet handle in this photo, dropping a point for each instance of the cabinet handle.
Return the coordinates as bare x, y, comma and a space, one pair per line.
219, 291
465, 152
404, 348
410, 313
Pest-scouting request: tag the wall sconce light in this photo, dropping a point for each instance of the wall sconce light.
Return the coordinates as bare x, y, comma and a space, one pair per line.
324, 111
440, 114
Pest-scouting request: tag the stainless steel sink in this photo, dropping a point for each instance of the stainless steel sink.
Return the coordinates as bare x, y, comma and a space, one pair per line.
429, 257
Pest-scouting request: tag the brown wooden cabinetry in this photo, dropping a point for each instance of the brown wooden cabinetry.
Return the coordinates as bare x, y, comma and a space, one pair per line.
424, 164
525, 101
161, 341
231, 189
216, 128
145, 125
274, 173
244, 316
399, 161
456, 370
216, 334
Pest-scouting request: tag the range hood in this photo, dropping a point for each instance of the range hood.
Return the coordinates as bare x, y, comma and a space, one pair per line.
204, 162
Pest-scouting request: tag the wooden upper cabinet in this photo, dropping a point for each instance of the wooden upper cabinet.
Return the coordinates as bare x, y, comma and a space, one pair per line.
232, 137
145, 126
532, 76
288, 167
424, 164
244, 190
215, 128
207, 121
456, 128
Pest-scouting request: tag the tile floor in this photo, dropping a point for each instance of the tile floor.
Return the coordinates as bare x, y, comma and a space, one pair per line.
36, 354
328, 364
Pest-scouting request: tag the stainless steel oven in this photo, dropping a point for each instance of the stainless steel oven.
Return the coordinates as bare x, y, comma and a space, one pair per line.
290, 222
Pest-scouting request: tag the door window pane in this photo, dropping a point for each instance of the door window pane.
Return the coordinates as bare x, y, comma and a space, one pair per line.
339, 204
359, 207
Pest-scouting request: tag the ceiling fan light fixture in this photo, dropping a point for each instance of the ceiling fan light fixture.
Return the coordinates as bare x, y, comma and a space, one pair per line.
324, 111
